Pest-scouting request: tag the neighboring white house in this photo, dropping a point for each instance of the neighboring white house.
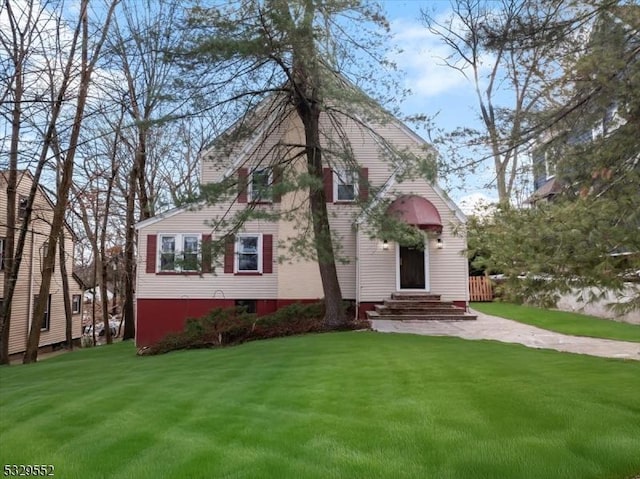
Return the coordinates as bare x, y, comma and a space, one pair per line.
169, 290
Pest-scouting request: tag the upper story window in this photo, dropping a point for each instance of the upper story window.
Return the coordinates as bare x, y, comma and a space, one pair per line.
249, 253
260, 185
76, 304
22, 206
44, 254
345, 185
179, 252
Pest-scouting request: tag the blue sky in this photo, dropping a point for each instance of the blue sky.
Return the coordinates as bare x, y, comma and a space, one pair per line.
437, 90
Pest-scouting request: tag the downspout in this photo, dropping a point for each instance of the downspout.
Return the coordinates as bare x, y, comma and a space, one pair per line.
466, 268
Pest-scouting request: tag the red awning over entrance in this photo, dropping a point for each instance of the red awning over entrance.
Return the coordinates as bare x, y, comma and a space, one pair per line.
418, 211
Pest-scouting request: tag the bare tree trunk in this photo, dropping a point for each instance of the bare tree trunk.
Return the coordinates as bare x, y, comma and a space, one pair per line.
65, 291
114, 305
9, 240
136, 188
33, 340
55, 146
15, 261
99, 275
510, 78
18, 53
141, 116
103, 252
129, 261
92, 237
105, 303
93, 302
116, 292
96, 267
146, 211
31, 353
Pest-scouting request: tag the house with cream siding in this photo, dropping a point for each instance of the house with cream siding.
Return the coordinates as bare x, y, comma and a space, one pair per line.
30, 274
257, 271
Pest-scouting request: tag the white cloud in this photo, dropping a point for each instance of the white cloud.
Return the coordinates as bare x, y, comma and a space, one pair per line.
477, 204
422, 58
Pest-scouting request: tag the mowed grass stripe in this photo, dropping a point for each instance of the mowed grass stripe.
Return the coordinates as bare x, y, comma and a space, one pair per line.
331, 405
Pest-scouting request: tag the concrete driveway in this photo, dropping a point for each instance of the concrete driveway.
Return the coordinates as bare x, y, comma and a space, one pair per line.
507, 331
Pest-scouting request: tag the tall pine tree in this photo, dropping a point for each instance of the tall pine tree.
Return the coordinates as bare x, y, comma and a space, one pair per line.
293, 58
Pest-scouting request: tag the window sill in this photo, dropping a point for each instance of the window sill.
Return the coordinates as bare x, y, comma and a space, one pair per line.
261, 202
345, 202
178, 273
247, 273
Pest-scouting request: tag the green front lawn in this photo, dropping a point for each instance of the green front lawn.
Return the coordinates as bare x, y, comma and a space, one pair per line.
340, 405
562, 321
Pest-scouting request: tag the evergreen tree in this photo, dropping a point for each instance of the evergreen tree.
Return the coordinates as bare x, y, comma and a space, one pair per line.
589, 235
274, 60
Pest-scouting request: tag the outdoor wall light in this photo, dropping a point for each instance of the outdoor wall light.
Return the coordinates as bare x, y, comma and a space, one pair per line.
385, 245
439, 243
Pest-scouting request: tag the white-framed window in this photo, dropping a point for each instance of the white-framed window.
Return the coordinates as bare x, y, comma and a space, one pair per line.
76, 304
167, 252
46, 321
190, 252
44, 254
22, 206
179, 252
345, 185
248, 253
260, 182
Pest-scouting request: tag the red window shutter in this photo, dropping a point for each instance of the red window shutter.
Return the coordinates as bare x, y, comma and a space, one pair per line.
152, 247
206, 253
267, 253
363, 186
243, 174
277, 179
229, 253
327, 180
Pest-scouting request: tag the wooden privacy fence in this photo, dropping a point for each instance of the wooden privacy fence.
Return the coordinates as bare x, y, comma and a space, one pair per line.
480, 288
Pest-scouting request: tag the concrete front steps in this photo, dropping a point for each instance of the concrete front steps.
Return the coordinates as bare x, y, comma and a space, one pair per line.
418, 307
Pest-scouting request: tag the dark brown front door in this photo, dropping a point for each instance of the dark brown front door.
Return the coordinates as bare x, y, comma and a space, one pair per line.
411, 268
